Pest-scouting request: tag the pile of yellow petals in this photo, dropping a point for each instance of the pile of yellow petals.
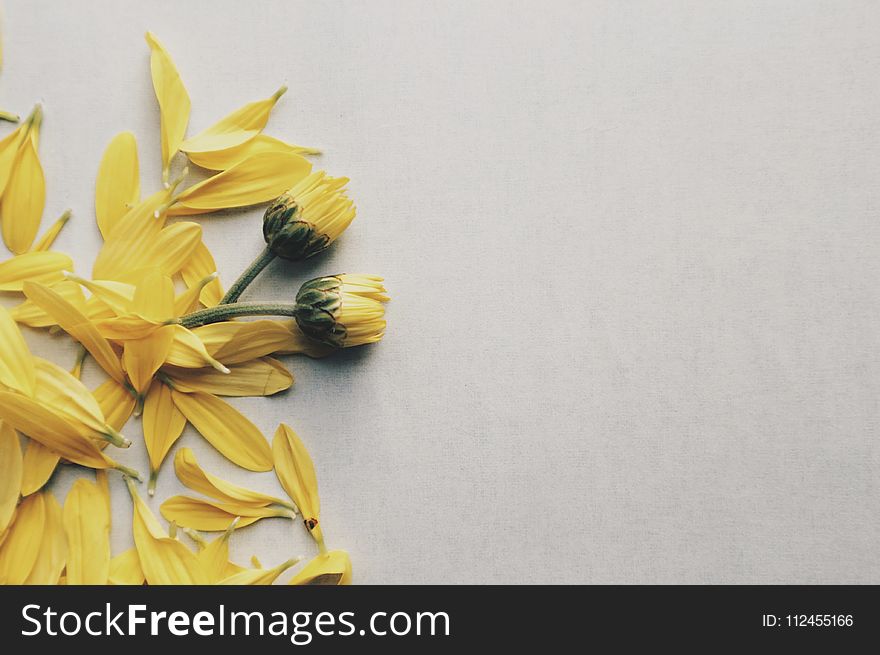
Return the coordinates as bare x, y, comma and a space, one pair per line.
151, 270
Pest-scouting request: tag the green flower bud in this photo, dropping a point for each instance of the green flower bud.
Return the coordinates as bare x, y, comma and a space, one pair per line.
342, 310
309, 217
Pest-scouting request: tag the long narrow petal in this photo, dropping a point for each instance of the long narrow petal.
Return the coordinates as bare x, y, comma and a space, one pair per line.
141, 358
47, 240
296, 472
87, 526
39, 423
30, 314
227, 429
215, 557
259, 576
193, 476
45, 267
17, 369
234, 342
200, 265
220, 160
21, 547
116, 403
236, 128
9, 146
23, 199
125, 569
259, 178
76, 325
119, 183
165, 561
174, 103
52, 555
330, 568
212, 516
154, 296
10, 473
163, 425
188, 351
38, 465
257, 377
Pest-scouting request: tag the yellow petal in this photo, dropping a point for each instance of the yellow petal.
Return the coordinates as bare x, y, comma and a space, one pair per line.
164, 561
187, 351
188, 301
21, 547
141, 358
126, 327
76, 325
215, 557
52, 555
125, 569
237, 128
119, 183
163, 425
259, 178
16, 362
174, 104
299, 344
38, 466
30, 314
46, 241
212, 516
10, 473
118, 296
154, 297
71, 400
138, 227
45, 267
39, 423
259, 576
87, 526
8, 150
220, 160
296, 472
23, 199
116, 403
193, 476
330, 568
199, 266
233, 342
257, 377
227, 429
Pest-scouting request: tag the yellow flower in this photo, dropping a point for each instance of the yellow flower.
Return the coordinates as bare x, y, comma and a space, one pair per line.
309, 217
342, 310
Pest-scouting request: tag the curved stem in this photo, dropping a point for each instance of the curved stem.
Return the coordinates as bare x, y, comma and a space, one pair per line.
248, 276
226, 312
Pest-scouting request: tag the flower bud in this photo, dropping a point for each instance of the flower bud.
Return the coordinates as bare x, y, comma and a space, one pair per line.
309, 217
342, 310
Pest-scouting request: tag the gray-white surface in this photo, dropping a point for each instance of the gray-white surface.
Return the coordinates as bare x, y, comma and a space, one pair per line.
633, 254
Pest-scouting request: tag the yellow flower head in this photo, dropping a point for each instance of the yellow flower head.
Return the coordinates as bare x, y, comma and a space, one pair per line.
342, 310
308, 217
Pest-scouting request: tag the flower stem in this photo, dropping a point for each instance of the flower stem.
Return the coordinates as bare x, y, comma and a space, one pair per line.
248, 276
227, 312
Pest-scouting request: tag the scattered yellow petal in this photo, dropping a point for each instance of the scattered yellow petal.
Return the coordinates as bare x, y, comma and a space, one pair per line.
330, 568
116, 403
296, 472
188, 351
213, 516
164, 561
87, 526
76, 325
227, 429
257, 377
52, 555
174, 103
220, 160
21, 547
46, 241
45, 267
259, 576
37, 467
118, 296
198, 266
259, 178
118, 187
193, 476
125, 569
215, 557
24, 197
233, 342
141, 358
188, 301
16, 362
163, 425
233, 130
8, 150
10, 473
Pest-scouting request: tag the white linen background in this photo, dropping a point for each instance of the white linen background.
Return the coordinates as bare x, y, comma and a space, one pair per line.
633, 255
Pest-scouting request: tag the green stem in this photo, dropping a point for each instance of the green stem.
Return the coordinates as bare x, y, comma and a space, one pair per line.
227, 312
248, 276
8, 116
130, 472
